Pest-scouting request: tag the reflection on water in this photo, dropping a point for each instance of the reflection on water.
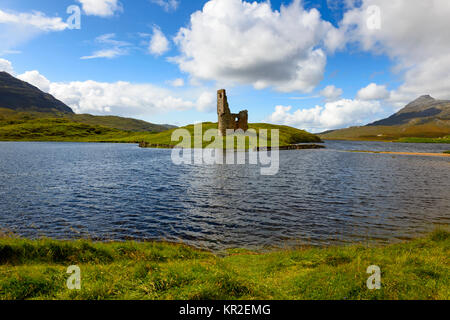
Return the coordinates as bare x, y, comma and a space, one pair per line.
109, 191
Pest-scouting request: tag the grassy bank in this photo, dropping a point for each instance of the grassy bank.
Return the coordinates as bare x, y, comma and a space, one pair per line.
417, 269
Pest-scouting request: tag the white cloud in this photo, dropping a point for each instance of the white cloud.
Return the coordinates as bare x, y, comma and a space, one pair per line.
415, 35
373, 92
206, 102
176, 83
333, 115
6, 66
36, 79
167, 5
158, 43
36, 19
234, 41
101, 8
331, 93
113, 48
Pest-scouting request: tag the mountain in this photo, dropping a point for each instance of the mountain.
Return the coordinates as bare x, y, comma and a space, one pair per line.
21, 101
19, 95
421, 110
424, 117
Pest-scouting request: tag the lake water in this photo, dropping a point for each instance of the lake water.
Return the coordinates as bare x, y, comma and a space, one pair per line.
119, 191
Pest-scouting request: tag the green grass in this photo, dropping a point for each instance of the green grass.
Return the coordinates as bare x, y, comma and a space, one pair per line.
447, 152
417, 269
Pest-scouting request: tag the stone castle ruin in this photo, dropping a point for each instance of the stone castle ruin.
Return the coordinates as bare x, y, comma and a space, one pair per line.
228, 120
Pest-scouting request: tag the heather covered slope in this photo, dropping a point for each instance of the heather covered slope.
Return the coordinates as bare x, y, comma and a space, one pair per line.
425, 118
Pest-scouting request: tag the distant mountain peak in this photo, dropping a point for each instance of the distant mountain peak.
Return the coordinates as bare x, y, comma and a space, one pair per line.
423, 99
423, 109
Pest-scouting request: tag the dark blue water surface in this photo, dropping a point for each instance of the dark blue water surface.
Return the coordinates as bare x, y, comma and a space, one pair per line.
119, 191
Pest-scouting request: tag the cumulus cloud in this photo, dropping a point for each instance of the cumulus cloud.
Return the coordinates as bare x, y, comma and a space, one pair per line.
331, 93
167, 5
415, 35
373, 92
6, 66
101, 8
36, 79
332, 115
112, 48
249, 43
158, 43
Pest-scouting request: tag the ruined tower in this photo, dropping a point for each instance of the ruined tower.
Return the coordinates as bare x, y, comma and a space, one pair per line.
228, 120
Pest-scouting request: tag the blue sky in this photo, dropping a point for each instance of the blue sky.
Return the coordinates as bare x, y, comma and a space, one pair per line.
369, 74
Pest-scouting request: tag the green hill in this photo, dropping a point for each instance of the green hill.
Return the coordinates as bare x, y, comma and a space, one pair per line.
126, 124
423, 120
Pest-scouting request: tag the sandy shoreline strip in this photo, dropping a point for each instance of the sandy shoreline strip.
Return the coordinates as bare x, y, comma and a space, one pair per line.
407, 153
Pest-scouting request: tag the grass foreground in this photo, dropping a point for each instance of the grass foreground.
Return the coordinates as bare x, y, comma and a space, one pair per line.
417, 269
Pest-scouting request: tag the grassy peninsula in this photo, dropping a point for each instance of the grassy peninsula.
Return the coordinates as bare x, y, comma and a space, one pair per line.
417, 269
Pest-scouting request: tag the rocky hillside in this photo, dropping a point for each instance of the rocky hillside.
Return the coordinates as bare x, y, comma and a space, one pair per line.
18, 95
